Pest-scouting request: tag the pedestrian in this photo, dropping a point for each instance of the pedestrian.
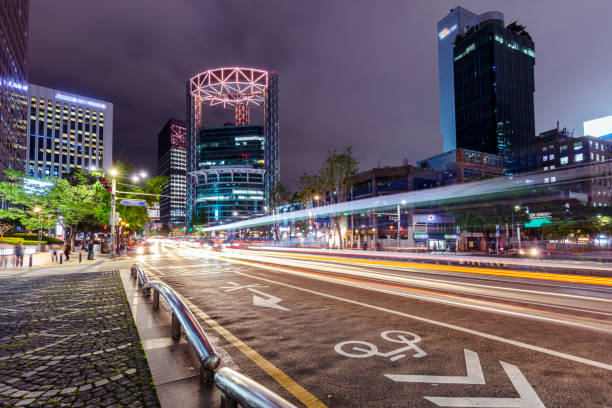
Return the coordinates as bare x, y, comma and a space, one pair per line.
90, 250
18, 254
67, 251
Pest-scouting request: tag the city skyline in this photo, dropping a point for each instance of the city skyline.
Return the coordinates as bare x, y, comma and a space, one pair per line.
326, 84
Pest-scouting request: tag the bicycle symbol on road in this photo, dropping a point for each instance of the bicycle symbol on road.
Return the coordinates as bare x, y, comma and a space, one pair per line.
362, 349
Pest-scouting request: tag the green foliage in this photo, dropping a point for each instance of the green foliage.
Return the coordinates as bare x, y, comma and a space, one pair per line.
15, 241
34, 237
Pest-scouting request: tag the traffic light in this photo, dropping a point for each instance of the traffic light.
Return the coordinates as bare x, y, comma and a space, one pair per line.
104, 228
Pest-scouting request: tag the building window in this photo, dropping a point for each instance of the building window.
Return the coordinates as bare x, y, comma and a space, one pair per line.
551, 157
578, 157
564, 160
552, 167
563, 149
577, 145
544, 158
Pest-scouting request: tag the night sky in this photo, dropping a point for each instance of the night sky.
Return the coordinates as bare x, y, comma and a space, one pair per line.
360, 73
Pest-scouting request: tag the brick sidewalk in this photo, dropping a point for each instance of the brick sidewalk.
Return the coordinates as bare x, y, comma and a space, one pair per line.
70, 340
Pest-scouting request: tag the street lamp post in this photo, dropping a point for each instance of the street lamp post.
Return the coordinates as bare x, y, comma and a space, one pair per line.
113, 173
38, 210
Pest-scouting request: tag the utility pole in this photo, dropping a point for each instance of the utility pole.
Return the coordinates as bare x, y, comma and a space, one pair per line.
112, 217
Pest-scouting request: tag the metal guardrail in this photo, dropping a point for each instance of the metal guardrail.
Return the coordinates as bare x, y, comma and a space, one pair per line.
236, 389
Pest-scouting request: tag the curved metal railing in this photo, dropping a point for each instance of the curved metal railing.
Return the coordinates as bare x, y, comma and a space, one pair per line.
239, 389
181, 317
235, 387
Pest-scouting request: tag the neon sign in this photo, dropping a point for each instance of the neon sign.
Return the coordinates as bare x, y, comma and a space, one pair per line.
81, 101
446, 31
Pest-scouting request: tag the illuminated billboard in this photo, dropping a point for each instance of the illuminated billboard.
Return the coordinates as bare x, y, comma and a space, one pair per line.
601, 127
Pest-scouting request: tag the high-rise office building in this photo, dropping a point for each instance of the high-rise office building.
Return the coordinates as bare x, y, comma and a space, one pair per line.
240, 89
231, 168
172, 163
67, 131
494, 86
449, 27
13, 83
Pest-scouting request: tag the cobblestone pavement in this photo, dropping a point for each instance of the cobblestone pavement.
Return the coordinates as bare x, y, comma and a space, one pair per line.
70, 340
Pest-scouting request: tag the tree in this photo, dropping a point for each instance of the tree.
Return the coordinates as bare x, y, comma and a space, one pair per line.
335, 178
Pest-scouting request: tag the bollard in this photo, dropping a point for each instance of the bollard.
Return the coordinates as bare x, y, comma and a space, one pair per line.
80, 254
61, 259
155, 300
30, 260
175, 331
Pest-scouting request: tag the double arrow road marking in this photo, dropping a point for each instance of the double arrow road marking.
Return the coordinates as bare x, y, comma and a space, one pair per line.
527, 396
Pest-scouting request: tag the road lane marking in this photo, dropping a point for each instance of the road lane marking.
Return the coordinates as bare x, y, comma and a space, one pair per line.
360, 283
527, 395
591, 280
427, 320
372, 349
416, 285
472, 366
276, 373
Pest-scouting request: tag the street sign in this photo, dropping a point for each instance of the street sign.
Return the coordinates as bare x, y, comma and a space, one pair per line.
135, 203
497, 230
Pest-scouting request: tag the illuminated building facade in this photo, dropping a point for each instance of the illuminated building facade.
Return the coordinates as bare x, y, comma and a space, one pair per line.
494, 86
67, 131
13, 83
230, 167
448, 28
172, 163
558, 149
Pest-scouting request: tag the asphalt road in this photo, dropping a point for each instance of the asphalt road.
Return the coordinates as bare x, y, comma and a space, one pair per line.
331, 331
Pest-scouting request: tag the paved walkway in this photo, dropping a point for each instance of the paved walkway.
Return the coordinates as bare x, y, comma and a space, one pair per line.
70, 340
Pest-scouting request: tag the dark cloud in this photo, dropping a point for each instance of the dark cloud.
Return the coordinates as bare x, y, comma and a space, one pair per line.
361, 73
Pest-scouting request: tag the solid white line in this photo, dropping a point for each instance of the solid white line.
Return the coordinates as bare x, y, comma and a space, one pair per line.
434, 322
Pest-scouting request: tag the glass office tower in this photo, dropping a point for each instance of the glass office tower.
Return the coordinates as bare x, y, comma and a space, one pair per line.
230, 176
448, 28
494, 85
172, 163
13, 83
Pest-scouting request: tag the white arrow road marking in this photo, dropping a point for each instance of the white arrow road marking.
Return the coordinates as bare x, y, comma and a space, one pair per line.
268, 301
472, 364
527, 396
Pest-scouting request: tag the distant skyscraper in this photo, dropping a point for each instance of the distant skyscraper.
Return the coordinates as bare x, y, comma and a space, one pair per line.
13, 83
448, 28
67, 130
494, 85
172, 163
